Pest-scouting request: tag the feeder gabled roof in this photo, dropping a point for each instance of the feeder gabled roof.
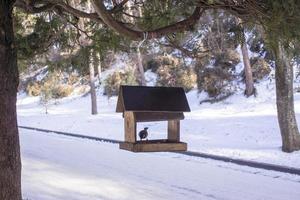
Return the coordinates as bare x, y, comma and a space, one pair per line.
152, 99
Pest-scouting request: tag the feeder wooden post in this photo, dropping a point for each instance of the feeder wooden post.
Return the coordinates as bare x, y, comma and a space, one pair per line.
130, 127
174, 130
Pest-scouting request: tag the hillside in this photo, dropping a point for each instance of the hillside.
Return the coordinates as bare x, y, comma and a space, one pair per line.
237, 127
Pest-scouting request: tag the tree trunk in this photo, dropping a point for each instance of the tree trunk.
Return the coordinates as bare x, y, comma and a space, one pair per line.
285, 101
10, 162
250, 90
92, 83
99, 67
139, 61
248, 71
141, 71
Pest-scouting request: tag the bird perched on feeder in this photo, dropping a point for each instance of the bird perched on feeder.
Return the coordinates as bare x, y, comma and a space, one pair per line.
143, 133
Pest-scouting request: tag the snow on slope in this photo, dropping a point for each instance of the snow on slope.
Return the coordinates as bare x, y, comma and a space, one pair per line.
62, 168
237, 127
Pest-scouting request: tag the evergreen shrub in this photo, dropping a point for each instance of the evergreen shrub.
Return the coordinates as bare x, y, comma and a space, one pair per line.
117, 78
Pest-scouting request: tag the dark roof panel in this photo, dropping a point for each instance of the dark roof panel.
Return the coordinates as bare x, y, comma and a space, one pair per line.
155, 99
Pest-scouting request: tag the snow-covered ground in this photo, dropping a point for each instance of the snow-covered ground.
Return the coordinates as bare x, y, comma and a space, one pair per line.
58, 167
63, 168
238, 127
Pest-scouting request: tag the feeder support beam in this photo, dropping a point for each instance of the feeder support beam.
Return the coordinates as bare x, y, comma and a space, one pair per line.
174, 130
130, 127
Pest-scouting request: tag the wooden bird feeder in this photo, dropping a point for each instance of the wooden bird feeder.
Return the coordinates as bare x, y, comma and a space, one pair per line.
148, 104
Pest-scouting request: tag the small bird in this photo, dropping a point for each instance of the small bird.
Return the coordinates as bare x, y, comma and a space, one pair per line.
143, 133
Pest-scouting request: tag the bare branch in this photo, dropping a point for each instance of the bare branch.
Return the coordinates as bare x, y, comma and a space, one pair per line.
29, 8
42, 6
138, 34
244, 9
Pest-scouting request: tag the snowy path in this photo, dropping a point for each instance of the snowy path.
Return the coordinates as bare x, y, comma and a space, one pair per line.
57, 167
